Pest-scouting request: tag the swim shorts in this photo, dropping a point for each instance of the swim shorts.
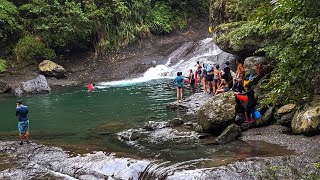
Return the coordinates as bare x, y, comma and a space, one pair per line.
23, 126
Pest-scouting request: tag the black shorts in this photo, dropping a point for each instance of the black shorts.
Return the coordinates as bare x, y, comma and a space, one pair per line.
192, 82
216, 80
210, 77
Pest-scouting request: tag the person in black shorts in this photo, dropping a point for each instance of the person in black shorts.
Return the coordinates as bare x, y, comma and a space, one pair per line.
250, 104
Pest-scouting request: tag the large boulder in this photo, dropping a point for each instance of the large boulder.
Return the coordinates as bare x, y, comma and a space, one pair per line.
229, 134
191, 104
266, 118
251, 61
285, 114
307, 122
217, 114
34, 86
4, 87
52, 69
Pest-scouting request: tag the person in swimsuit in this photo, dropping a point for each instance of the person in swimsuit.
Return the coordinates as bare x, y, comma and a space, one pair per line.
204, 78
179, 85
240, 71
210, 78
223, 87
198, 73
216, 78
192, 80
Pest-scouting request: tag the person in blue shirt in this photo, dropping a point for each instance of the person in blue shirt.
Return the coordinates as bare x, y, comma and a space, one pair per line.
179, 85
23, 121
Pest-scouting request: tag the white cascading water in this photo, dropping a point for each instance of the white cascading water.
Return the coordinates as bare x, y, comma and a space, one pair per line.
183, 59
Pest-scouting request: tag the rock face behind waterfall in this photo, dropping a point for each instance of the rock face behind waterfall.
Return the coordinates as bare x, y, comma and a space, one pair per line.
308, 121
217, 114
34, 86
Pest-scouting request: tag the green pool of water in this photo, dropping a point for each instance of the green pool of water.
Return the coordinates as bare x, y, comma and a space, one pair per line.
71, 118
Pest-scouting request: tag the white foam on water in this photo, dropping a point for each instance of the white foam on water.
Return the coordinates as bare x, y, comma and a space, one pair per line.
158, 72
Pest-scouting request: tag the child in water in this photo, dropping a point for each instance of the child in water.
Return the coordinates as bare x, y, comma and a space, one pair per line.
179, 85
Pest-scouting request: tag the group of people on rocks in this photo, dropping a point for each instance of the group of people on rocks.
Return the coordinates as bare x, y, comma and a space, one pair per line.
217, 81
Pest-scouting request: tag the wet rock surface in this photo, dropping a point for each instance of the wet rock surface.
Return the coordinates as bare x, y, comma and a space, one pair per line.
229, 134
307, 152
217, 114
35, 161
191, 104
35, 86
4, 87
42, 162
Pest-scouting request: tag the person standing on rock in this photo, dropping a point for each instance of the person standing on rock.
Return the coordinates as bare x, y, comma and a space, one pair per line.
250, 104
240, 71
226, 74
192, 81
23, 121
198, 73
204, 75
179, 85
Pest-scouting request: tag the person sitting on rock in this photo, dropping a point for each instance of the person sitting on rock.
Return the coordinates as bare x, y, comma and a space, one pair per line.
238, 86
250, 104
223, 87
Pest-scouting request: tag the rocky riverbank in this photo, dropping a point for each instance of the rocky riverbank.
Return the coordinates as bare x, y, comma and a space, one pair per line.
44, 162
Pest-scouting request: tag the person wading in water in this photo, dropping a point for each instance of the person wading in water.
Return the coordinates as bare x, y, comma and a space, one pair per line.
23, 121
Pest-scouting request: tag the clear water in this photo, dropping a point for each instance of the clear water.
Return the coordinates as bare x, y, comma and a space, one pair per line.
71, 118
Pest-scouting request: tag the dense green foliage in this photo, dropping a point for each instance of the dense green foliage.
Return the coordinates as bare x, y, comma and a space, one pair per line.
73, 25
3, 65
289, 30
30, 48
10, 27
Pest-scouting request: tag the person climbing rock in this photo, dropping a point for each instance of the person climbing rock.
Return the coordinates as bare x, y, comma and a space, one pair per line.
23, 121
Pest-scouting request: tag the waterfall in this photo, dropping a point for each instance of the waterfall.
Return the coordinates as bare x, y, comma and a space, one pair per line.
182, 59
